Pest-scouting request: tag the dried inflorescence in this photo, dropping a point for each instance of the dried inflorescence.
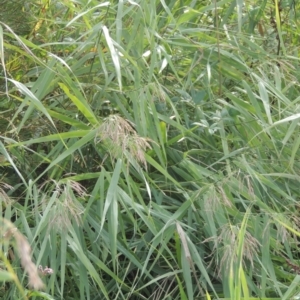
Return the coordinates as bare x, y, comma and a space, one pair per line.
24, 252
66, 207
226, 244
45, 271
3, 195
121, 138
25, 255
214, 197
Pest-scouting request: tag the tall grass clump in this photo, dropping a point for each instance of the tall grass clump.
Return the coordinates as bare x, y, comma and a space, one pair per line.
149, 150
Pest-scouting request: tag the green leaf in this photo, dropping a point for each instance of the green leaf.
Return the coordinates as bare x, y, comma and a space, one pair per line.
6, 276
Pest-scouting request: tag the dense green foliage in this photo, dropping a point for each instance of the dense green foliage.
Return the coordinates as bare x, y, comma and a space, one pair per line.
150, 150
